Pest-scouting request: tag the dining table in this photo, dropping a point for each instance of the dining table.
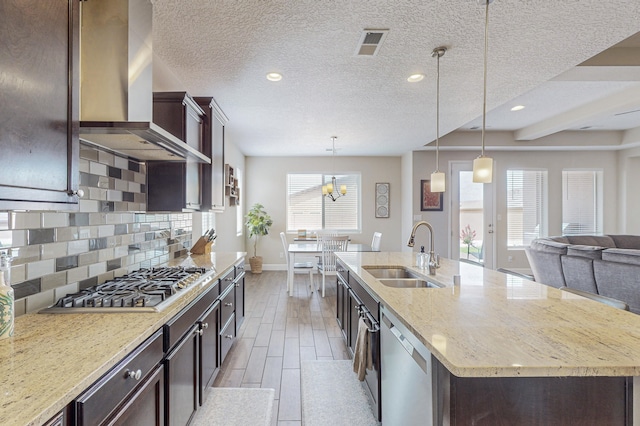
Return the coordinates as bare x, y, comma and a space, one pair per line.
311, 248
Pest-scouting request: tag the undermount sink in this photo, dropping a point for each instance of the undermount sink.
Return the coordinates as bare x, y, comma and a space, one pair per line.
408, 283
399, 277
389, 272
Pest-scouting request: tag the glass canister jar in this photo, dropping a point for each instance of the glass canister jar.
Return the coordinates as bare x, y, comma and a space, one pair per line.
7, 315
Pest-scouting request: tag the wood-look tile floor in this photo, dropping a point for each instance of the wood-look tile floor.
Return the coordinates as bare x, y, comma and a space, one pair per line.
278, 332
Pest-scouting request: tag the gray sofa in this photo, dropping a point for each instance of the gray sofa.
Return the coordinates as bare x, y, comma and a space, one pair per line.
608, 265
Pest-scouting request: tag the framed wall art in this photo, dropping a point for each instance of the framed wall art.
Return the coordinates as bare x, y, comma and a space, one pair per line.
429, 201
382, 200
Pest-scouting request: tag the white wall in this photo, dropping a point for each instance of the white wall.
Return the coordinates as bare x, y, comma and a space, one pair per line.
226, 222
408, 182
265, 183
628, 177
553, 161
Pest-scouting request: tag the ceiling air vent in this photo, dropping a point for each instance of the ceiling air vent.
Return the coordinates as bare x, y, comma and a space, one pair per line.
370, 42
627, 112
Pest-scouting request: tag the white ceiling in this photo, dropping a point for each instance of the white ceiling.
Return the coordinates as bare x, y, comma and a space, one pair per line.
225, 48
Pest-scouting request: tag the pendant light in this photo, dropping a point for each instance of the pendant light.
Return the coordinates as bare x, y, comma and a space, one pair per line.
483, 166
437, 177
330, 190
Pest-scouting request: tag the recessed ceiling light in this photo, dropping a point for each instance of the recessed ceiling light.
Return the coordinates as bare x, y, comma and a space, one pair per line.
414, 78
517, 108
274, 76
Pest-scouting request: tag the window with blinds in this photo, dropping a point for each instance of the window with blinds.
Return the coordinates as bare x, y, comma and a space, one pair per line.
582, 202
308, 209
526, 206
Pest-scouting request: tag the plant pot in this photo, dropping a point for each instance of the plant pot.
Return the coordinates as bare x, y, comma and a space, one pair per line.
256, 264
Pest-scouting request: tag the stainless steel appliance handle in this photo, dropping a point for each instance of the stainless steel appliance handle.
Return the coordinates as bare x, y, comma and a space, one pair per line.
422, 363
372, 323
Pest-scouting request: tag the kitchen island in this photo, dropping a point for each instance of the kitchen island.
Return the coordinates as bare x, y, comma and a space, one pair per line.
52, 358
511, 351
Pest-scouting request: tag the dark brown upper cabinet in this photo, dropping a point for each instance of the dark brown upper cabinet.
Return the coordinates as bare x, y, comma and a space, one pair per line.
176, 185
39, 70
213, 182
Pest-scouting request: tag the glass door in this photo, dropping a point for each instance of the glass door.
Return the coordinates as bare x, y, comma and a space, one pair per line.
471, 217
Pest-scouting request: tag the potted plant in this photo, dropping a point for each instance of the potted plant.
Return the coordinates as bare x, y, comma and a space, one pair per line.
258, 223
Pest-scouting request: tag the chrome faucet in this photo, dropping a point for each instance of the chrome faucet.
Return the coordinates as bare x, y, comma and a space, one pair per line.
434, 259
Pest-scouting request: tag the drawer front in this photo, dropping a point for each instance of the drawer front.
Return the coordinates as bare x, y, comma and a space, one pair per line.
239, 284
239, 268
227, 305
146, 406
226, 280
227, 337
95, 404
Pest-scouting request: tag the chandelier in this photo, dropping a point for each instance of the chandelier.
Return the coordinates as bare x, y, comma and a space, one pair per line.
330, 190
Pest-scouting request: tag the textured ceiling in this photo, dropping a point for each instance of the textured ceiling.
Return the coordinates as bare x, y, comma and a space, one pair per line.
224, 48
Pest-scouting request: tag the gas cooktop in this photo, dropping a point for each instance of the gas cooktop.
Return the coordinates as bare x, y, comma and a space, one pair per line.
144, 290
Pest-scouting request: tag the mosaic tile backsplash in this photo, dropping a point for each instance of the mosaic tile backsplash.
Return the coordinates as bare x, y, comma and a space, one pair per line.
55, 253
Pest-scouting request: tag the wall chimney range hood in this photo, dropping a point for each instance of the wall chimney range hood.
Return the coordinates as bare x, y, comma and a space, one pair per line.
116, 83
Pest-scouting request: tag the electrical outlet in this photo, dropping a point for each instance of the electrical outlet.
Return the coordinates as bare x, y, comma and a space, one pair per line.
281, 255
510, 259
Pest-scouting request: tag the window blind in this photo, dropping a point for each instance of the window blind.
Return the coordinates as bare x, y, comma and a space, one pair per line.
526, 206
581, 202
308, 209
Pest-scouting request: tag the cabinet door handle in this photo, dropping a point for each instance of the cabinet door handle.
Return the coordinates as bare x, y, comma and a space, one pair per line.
199, 332
228, 304
130, 374
205, 325
228, 279
229, 336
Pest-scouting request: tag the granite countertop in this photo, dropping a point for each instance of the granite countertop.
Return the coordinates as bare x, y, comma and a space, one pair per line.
52, 358
499, 325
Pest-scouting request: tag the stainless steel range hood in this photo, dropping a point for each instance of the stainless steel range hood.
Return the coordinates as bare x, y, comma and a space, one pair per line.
116, 86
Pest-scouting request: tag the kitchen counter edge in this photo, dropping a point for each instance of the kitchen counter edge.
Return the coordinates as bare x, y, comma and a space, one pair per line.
52, 358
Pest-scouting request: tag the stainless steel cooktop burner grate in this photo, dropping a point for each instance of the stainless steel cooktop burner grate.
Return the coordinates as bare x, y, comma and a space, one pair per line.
144, 289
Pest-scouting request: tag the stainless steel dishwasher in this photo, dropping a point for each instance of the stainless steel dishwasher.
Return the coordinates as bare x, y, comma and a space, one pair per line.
407, 385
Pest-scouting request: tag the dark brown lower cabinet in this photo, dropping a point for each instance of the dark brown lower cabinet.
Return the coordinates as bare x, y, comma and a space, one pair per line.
239, 283
227, 337
342, 304
354, 302
164, 381
209, 354
182, 375
353, 306
502, 401
146, 406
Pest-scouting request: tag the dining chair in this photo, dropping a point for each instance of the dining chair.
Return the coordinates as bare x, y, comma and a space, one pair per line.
375, 242
329, 245
299, 267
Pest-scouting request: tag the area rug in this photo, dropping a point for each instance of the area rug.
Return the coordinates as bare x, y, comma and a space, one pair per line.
332, 395
236, 407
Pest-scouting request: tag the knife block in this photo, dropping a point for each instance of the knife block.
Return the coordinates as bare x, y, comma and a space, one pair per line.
201, 246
